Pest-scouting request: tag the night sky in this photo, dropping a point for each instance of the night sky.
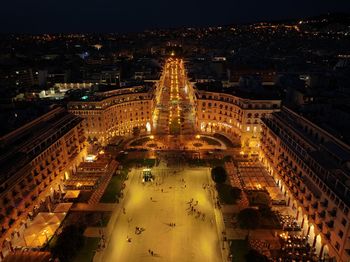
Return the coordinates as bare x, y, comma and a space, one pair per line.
39, 16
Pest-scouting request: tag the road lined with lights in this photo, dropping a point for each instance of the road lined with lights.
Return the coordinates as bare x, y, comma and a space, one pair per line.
174, 113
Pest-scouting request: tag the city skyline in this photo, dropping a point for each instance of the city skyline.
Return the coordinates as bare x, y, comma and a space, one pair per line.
211, 143
107, 16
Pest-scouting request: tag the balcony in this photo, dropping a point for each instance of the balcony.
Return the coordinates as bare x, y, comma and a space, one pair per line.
26, 193
333, 213
36, 172
328, 235
330, 224
322, 214
308, 197
324, 204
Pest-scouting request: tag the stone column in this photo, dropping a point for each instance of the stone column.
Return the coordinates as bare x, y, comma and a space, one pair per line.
321, 251
314, 242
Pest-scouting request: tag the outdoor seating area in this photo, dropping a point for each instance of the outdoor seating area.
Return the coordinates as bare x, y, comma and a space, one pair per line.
289, 223
28, 256
99, 166
71, 195
263, 247
41, 229
254, 176
88, 175
87, 183
295, 248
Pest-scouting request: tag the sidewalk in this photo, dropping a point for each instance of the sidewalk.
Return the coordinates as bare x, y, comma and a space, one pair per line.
221, 230
107, 231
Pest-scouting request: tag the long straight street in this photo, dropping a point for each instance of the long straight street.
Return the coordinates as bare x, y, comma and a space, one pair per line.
174, 113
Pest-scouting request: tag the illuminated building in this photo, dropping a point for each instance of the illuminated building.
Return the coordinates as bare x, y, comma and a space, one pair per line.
35, 160
116, 113
233, 116
312, 168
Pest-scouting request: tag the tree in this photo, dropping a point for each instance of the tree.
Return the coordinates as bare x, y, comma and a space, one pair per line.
265, 210
218, 174
236, 192
249, 218
68, 243
255, 256
228, 194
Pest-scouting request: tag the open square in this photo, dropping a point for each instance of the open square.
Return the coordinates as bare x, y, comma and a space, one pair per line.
154, 206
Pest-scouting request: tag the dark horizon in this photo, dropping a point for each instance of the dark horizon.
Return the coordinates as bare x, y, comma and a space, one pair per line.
111, 17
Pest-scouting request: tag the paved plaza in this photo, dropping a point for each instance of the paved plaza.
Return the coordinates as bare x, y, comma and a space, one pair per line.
154, 206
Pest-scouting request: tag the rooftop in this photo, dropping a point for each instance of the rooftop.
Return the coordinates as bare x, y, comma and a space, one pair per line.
101, 92
25, 143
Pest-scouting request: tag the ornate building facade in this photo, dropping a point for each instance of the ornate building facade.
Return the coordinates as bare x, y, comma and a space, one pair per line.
34, 161
116, 113
233, 116
312, 168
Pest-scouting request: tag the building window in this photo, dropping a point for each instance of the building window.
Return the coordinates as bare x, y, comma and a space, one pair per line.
337, 246
248, 128
343, 222
340, 234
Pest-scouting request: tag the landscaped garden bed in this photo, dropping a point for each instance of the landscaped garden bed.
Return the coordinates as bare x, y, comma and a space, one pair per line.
141, 141
210, 141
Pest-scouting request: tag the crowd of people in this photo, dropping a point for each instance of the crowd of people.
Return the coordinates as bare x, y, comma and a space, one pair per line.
289, 223
194, 210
